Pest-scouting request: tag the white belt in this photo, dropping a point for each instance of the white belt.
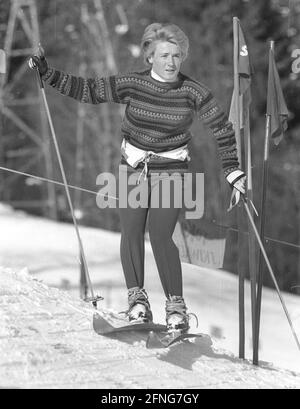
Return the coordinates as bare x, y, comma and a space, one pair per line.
134, 155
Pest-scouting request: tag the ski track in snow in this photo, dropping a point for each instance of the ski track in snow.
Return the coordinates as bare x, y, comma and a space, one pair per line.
47, 341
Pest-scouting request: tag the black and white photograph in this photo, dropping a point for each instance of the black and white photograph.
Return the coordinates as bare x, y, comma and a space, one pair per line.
149, 197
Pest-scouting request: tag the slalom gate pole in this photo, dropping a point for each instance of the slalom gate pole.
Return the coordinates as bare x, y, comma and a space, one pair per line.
237, 129
93, 298
262, 235
270, 270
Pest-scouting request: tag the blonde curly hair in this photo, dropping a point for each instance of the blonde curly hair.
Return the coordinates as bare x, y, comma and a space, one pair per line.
163, 32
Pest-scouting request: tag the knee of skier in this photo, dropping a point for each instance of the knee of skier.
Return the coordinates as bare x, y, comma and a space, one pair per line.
133, 233
159, 237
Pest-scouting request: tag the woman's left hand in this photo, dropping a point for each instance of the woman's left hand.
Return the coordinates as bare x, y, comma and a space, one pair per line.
240, 185
237, 180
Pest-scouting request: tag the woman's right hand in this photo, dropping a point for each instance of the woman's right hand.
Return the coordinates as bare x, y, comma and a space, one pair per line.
39, 61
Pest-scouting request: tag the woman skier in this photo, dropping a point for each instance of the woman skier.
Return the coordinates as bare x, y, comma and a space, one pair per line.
161, 103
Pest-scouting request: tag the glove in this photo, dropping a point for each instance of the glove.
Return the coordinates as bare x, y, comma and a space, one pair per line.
237, 180
39, 61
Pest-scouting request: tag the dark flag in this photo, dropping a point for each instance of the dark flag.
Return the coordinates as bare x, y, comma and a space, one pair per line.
244, 71
243, 63
276, 106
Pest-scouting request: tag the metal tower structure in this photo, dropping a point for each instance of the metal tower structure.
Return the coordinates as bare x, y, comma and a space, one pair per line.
102, 58
32, 146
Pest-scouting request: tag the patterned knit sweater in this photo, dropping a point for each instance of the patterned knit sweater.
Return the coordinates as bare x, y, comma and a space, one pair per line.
158, 114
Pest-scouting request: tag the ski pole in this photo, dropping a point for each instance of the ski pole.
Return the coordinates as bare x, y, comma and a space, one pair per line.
93, 298
2, 62
270, 270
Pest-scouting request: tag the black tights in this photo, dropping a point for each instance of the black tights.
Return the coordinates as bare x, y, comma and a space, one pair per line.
162, 222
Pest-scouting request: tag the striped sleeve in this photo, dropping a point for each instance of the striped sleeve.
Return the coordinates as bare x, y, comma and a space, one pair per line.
91, 90
210, 112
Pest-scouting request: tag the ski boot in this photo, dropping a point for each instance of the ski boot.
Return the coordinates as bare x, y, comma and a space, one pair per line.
139, 306
177, 318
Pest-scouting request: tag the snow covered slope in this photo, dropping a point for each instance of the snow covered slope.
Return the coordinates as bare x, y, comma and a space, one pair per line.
47, 341
50, 252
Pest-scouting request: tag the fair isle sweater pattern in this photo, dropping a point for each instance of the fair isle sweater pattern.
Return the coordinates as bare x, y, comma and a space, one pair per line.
158, 114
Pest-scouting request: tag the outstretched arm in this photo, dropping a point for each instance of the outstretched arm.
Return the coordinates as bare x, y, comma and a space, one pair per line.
92, 90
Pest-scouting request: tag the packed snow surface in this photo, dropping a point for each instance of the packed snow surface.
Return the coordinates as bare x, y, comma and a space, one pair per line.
46, 334
47, 341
